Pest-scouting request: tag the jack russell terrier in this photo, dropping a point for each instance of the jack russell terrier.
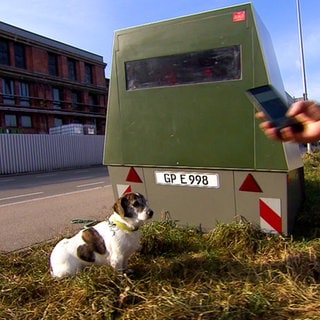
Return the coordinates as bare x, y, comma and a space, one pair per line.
109, 242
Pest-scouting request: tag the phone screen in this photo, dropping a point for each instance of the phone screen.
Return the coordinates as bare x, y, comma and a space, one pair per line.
268, 100
271, 103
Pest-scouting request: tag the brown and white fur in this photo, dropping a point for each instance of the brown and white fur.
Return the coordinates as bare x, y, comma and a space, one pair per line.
109, 242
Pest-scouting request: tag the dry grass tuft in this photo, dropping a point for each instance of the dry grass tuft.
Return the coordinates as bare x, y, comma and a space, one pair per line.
233, 272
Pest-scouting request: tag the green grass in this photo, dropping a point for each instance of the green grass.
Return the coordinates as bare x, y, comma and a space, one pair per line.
233, 272
308, 222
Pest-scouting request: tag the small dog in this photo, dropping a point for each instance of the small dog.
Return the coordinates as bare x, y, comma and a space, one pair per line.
109, 242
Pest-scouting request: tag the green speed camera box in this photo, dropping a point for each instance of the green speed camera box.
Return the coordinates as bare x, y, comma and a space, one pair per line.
181, 130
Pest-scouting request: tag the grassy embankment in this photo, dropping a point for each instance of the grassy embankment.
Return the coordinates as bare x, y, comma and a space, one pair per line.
233, 272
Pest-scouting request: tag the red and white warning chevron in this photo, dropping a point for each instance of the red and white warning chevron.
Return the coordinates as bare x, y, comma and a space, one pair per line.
270, 215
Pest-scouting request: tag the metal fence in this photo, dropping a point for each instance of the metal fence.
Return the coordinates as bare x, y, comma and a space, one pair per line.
22, 153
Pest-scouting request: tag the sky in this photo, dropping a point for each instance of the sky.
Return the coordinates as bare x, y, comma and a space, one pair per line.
90, 25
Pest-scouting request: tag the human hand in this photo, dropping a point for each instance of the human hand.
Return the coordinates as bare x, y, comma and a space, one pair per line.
307, 112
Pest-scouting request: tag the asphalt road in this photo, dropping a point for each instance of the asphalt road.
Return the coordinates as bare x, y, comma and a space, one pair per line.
39, 207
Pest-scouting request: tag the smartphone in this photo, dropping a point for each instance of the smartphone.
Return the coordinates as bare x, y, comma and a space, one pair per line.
267, 99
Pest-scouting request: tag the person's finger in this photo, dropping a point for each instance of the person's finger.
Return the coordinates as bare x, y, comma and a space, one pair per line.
260, 115
265, 125
271, 132
298, 107
286, 134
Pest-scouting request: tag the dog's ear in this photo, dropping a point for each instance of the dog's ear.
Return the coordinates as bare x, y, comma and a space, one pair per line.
120, 205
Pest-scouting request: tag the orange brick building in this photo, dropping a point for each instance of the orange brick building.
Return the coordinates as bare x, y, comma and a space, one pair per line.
45, 83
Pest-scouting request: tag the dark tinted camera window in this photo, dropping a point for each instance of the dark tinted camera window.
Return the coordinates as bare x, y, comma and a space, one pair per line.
220, 64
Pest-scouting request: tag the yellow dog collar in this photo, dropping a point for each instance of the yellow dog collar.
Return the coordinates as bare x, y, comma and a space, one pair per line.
121, 225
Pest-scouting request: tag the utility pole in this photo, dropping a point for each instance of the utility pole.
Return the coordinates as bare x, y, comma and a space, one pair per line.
303, 71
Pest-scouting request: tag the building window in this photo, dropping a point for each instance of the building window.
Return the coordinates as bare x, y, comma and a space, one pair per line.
72, 74
88, 73
75, 100
4, 53
58, 122
10, 120
24, 93
53, 64
8, 91
19, 55
77, 120
26, 122
56, 98
93, 102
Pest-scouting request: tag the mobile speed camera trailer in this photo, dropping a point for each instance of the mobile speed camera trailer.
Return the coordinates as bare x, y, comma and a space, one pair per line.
181, 130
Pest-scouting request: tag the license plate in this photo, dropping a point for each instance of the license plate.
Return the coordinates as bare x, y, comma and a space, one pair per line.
187, 179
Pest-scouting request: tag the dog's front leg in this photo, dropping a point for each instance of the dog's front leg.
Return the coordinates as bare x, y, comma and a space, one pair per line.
119, 263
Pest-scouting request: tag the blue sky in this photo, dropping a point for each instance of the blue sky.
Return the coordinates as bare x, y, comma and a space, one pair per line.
90, 25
